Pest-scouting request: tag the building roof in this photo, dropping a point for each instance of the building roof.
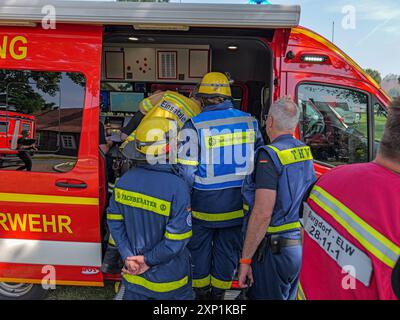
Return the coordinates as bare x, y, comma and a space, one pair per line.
64, 120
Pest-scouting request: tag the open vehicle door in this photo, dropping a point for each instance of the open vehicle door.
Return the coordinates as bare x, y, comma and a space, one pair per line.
49, 200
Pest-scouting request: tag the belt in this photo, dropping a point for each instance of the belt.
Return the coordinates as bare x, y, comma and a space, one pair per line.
283, 242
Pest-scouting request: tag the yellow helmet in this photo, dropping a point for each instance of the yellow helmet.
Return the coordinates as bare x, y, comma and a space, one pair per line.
215, 84
151, 138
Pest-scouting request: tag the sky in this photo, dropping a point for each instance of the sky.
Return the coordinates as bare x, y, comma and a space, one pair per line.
367, 30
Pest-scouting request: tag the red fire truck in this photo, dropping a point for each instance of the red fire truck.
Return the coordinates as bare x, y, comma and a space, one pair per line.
51, 220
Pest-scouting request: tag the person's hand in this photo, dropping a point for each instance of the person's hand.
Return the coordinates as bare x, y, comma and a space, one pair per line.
135, 265
131, 266
245, 272
143, 267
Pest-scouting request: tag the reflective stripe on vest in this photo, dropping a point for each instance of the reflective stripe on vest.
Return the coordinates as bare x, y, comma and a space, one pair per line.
111, 216
111, 240
230, 139
147, 104
210, 175
219, 122
182, 105
293, 155
218, 216
156, 286
201, 283
178, 236
220, 179
220, 284
300, 293
246, 207
142, 201
284, 227
187, 162
373, 241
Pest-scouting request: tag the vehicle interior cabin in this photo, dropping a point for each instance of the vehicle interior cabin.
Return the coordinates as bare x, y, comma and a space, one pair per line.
137, 63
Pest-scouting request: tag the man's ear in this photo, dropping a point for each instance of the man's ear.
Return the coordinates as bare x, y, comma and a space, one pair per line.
396, 279
271, 122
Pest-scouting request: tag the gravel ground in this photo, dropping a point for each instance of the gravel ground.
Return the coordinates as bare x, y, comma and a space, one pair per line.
83, 293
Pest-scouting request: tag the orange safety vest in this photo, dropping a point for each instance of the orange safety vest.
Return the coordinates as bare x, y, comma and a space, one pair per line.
352, 234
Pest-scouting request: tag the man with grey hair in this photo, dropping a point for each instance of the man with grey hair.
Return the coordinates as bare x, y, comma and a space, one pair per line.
273, 193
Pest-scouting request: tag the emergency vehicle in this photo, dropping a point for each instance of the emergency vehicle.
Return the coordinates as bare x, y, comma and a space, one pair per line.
51, 220
11, 126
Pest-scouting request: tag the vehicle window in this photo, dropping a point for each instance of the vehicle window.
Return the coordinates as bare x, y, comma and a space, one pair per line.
43, 111
380, 118
334, 123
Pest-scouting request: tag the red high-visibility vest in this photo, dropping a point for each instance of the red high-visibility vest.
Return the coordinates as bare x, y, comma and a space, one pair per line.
352, 234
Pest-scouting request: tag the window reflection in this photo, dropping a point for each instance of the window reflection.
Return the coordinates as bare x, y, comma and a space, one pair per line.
37, 109
334, 123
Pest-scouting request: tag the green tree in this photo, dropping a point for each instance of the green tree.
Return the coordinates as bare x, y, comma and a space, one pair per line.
375, 74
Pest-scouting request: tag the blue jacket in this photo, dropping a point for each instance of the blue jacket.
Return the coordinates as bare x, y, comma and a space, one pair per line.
227, 139
294, 162
149, 214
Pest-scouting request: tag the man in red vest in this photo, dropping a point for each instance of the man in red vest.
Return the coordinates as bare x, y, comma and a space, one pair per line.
352, 227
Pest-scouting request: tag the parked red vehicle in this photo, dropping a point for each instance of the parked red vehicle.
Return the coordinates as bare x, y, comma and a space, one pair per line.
11, 126
51, 218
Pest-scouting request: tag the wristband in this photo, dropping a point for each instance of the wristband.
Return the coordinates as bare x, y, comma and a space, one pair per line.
245, 261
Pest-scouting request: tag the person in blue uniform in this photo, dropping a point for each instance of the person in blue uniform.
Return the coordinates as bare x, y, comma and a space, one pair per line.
273, 193
224, 139
149, 217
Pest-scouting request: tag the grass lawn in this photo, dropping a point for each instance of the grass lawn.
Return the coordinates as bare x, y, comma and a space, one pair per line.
380, 122
83, 293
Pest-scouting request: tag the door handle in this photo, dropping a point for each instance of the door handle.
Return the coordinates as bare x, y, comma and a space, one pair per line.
75, 184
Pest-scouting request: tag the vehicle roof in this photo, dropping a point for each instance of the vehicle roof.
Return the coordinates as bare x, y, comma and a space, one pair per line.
135, 13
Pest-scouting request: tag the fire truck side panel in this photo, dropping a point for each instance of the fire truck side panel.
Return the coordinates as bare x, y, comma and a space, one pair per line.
45, 227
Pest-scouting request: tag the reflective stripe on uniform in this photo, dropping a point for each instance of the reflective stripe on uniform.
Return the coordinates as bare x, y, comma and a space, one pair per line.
284, 227
178, 236
111, 216
201, 283
376, 243
182, 104
216, 283
293, 155
218, 216
246, 207
147, 104
227, 121
111, 241
156, 286
142, 201
300, 293
187, 162
219, 179
230, 139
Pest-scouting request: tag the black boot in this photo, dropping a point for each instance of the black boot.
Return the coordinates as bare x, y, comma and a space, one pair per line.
112, 262
202, 293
